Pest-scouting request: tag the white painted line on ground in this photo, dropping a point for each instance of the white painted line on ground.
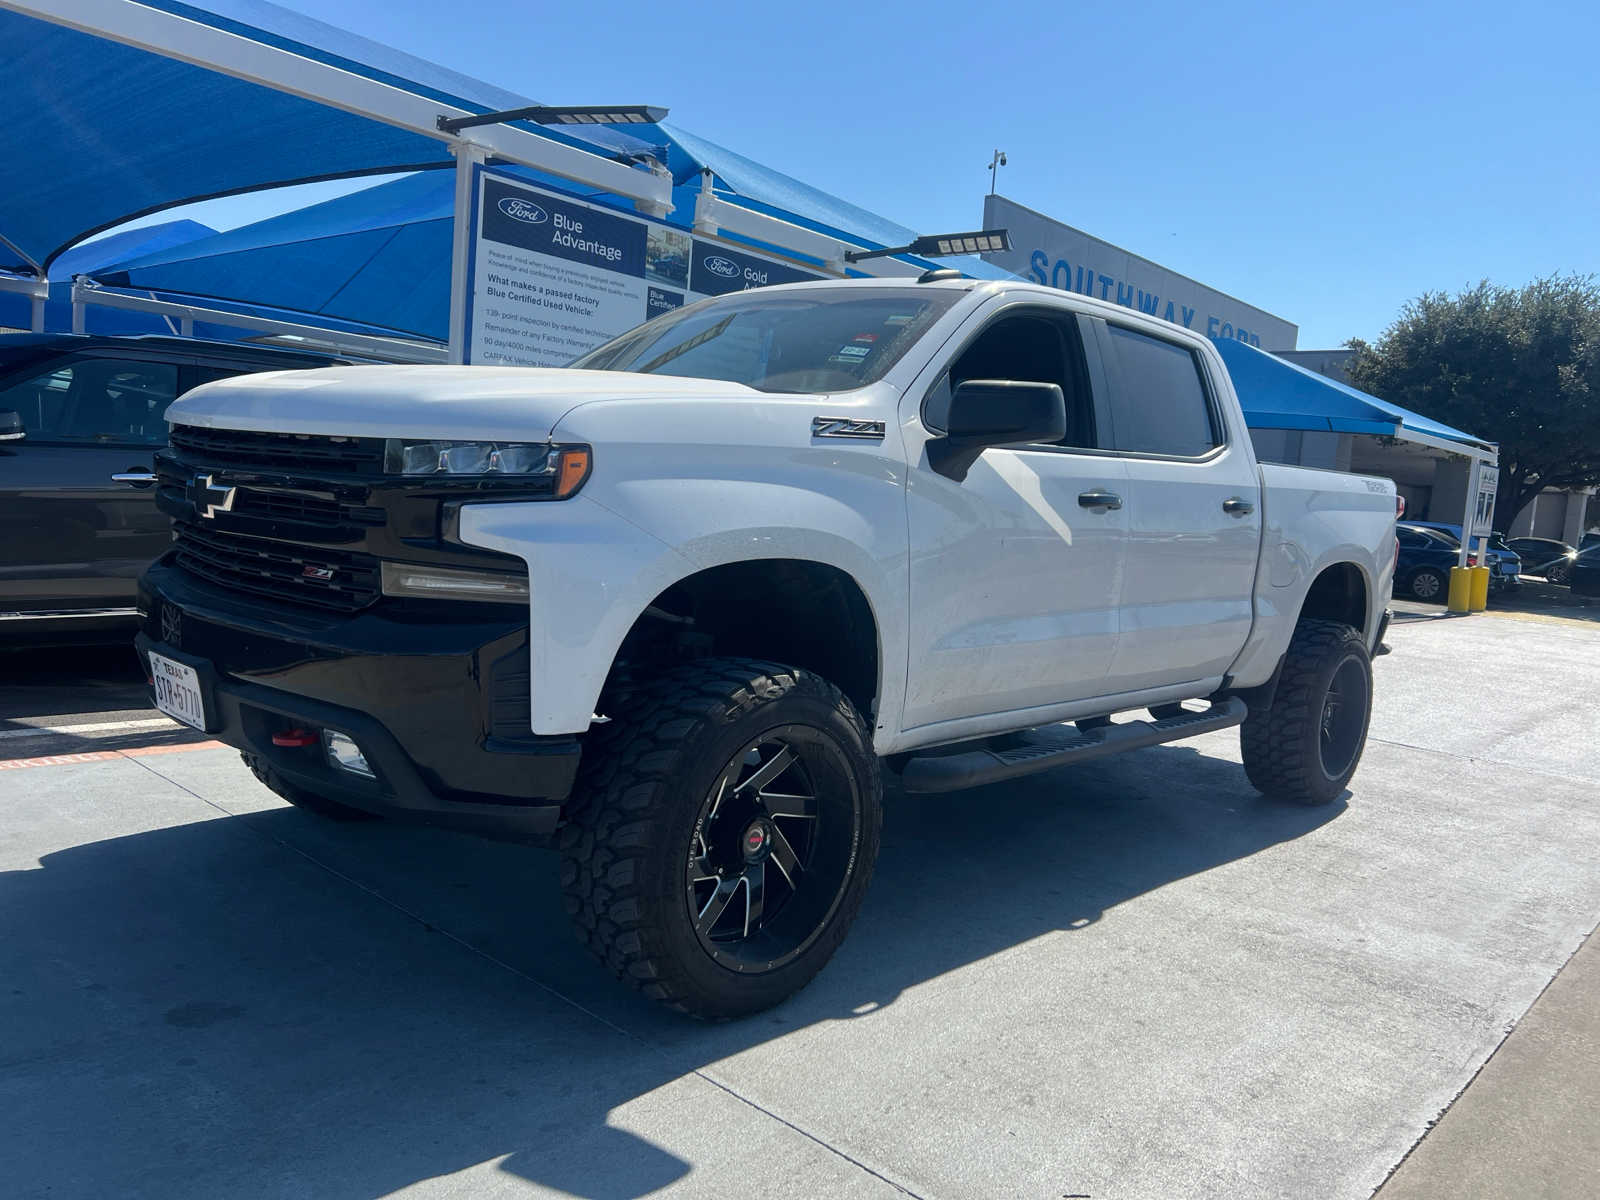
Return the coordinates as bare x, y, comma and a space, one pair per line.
94, 727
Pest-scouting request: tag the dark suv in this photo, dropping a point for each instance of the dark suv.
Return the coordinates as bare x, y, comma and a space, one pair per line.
79, 419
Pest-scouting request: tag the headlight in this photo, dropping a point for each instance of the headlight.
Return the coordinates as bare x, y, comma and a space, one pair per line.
561, 469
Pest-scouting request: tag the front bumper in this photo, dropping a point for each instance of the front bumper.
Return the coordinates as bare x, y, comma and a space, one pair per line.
439, 707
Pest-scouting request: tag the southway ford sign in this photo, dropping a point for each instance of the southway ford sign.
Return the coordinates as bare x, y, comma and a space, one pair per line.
1056, 255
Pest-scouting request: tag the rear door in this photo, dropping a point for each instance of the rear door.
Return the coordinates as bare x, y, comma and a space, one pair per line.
1193, 500
76, 539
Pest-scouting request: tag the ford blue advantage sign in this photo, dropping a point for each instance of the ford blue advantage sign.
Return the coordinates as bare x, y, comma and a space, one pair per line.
552, 276
577, 232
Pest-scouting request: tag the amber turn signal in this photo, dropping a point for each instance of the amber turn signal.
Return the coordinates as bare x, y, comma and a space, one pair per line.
572, 471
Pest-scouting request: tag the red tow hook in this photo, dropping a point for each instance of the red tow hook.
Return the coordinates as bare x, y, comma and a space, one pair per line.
294, 737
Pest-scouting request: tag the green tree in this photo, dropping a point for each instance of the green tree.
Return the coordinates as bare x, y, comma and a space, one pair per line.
1516, 366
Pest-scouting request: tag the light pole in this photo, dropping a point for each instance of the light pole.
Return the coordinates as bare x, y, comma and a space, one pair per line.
995, 163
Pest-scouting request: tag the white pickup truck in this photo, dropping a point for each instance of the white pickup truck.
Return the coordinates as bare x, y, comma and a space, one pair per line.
678, 609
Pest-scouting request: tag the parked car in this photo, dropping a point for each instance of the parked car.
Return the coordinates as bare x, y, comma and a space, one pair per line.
1547, 558
1422, 571
1504, 563
1585, 576
80, 417
782, 541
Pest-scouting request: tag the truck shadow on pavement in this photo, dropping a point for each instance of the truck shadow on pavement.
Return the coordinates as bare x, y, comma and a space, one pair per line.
271, 1004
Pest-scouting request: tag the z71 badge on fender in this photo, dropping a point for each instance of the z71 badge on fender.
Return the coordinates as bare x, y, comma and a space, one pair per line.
846, 427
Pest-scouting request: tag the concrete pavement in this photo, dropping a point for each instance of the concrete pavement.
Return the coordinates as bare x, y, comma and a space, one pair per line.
1129, 979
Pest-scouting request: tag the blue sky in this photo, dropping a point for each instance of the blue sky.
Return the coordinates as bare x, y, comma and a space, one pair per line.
1325, 164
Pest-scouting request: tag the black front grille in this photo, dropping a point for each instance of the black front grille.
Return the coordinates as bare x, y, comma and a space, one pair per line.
289, 452
329, 579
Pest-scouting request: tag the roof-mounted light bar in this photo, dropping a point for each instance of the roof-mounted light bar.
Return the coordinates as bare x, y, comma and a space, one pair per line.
544, 114
942, 245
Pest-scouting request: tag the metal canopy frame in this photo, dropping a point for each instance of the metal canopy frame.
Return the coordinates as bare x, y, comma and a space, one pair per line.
36, 289
395, 349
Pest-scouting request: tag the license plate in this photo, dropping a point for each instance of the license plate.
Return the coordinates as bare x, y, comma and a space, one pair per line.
177, 689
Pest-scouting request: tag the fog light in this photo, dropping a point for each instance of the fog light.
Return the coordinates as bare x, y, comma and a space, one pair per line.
345, 754
449, 583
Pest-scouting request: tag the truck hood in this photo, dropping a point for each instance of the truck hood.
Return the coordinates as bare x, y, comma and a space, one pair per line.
500, 403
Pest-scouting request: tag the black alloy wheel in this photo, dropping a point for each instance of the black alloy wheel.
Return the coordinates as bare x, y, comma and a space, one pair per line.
1344, 717
722, 834
770, 852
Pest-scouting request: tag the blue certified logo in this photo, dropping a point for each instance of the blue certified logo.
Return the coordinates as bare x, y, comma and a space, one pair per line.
725, 267
526, 211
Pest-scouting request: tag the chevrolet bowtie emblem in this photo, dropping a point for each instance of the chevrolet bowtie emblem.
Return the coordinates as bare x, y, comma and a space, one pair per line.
210, 498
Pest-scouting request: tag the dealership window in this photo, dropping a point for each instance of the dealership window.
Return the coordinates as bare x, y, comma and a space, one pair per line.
1158, 398
102, 401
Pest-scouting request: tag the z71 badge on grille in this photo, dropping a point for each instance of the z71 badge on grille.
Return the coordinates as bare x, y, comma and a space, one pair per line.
846, 427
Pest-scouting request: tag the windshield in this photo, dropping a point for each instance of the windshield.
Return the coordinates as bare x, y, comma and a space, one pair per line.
816, 340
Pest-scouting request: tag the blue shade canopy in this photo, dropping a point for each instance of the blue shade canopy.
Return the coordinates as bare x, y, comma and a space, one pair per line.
98, 132
380, 256
1280, 395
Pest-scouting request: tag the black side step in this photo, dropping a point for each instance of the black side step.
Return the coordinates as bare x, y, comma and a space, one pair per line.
1057, 745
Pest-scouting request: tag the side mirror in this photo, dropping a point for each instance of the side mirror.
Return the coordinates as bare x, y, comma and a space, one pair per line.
996, 412
11, 429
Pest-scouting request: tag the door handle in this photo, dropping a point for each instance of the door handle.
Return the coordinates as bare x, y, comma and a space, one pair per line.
1235, 507
136, 478
1104, 501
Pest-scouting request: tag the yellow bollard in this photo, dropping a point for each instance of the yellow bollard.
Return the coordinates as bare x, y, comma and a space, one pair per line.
1480, 588
1461, 589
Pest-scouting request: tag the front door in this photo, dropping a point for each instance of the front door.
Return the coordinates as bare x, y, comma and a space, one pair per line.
1014, 573
76, 539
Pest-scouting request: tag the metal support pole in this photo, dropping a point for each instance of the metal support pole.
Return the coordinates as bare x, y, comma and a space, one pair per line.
1470, 515
185, 326
77, 314
38, 314
468, 156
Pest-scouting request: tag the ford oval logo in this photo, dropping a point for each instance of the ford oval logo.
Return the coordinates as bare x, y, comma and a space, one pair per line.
725, 267
519, 209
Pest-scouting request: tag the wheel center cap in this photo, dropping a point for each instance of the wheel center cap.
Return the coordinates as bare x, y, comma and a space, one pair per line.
756, 841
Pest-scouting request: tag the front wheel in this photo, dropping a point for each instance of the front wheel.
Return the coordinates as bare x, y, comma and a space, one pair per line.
727, 825
1559, 574
1306, 745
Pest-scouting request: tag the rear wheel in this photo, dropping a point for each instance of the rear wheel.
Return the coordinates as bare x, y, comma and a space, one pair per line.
301, 797
1560, 573
727, 836
1429, 584
1304, 748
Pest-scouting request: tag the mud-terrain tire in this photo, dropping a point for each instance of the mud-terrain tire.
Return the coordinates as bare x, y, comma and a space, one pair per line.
724, 833
301, 797
1305, 747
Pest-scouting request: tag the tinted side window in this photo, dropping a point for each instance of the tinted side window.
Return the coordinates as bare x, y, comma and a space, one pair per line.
1028, 347
1158, 399
100, 401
